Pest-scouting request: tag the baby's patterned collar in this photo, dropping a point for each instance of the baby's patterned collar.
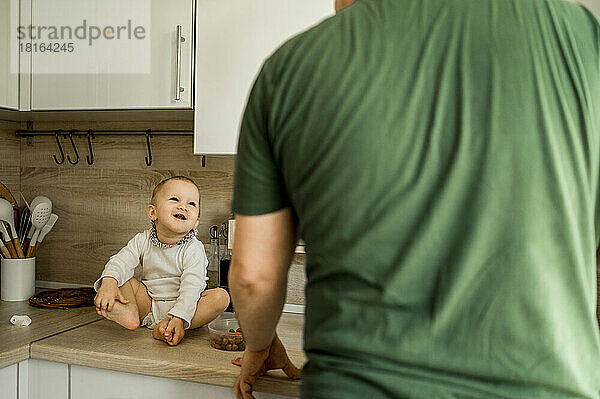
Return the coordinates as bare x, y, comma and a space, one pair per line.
154, 238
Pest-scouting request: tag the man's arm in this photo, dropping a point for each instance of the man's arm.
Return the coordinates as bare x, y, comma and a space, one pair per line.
262, 252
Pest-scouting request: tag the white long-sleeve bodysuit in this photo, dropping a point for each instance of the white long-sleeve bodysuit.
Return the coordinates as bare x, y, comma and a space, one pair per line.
175, 277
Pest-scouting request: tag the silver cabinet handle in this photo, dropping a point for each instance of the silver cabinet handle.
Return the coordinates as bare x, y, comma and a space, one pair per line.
178, 88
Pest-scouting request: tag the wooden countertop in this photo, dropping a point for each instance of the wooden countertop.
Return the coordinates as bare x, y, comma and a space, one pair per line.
106, 345
15, 341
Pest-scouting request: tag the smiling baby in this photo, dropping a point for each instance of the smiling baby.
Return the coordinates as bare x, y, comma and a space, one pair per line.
171, 296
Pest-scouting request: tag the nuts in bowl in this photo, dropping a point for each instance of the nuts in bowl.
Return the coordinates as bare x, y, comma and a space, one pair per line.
226, 334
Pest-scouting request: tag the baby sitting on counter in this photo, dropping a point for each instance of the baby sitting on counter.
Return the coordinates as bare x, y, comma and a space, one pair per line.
171, 296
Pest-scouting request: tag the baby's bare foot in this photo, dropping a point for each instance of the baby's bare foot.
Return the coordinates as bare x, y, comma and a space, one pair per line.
125, 315
160, 330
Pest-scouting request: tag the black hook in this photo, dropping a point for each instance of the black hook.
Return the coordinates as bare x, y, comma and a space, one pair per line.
74, 149
90, 158
149, 157
203, 161
62, 154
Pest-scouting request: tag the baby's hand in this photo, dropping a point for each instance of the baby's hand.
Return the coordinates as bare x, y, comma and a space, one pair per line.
108, 293
174, 330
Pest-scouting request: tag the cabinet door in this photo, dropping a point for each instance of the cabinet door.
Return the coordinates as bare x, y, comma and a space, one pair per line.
8, 382
41, 379
135, 386
122, 68
9, 55
233, 38
593, 5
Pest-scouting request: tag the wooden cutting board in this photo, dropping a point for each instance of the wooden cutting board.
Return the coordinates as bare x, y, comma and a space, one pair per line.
7, 195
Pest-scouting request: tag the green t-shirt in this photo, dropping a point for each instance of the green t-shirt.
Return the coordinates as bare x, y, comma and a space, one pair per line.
442, 159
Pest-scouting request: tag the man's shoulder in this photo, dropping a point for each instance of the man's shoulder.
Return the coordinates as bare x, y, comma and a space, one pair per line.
301, 44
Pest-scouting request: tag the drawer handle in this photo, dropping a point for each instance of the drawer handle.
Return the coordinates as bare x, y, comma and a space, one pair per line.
178, 88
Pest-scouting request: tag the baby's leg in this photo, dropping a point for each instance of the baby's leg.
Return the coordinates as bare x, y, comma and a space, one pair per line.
211, 304
129, 315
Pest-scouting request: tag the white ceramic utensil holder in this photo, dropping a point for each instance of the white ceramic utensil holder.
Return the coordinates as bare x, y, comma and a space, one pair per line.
17, 279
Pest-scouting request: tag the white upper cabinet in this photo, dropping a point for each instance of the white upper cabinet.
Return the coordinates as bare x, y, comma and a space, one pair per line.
9, 55
593, 5
233, 38
111, 54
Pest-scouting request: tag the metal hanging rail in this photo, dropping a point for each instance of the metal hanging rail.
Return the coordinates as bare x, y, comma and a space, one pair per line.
90, 133
124, 132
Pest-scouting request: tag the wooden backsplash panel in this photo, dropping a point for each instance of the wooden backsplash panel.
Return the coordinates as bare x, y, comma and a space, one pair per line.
102, 206
101, 209
9, 157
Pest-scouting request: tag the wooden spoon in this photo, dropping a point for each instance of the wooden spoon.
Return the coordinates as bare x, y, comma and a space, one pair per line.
8, 250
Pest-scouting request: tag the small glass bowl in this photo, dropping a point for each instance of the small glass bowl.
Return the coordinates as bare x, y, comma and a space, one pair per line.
226, 335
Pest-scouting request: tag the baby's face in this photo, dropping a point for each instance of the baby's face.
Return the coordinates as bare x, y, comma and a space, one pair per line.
176, 207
